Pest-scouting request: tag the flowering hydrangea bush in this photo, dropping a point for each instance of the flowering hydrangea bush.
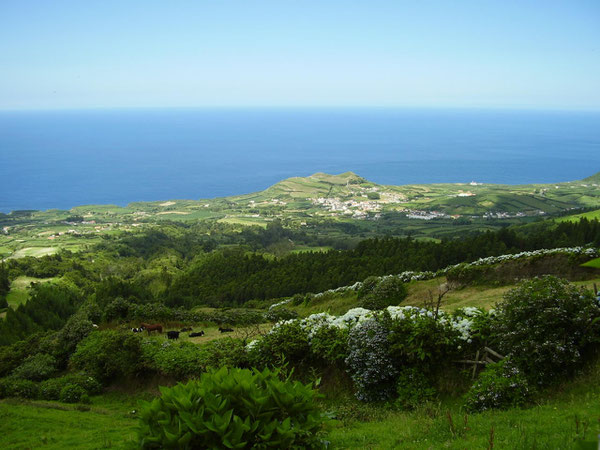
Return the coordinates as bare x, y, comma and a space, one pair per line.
545, 324
500, 386
369, 361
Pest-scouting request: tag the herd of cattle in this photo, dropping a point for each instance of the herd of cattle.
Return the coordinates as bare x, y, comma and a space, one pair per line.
173, 334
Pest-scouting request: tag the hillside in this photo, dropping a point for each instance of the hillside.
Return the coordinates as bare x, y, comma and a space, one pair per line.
337, 206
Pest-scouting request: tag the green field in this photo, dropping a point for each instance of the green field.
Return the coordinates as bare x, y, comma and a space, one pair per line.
322, 202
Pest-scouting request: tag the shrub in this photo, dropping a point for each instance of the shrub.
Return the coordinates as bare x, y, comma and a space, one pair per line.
233, 408
12, 356
418, 339
367, 286
18, 387
287, 340
178, 359
228, 352
500, 386
389, 291
329, 344
280, 313
51, 389
36, 368
63, 344
117, 309
545, 324
108, 354
413, 389
369, 361
73, 393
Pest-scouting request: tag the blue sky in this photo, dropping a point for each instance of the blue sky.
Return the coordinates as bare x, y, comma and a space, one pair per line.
426, 53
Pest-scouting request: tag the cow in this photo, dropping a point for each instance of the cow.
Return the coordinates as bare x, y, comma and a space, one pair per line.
137, 330
151, 327
183, 330
201, 333
173, 334
225, 330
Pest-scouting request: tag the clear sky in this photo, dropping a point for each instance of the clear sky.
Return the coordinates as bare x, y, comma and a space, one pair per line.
430, 53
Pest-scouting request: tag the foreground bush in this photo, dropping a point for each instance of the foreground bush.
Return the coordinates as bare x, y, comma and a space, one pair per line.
545, 324
500, 386
233, 408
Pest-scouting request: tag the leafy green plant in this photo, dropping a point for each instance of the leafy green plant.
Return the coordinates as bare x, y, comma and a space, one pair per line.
233, 408
73, 393
36, 368
329, 344
18, 387
378, 294
413, 389
51, 389
286, 339
107, 354
500, 386
546, 324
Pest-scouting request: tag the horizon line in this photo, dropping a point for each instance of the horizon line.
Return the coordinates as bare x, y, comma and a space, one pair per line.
304, 107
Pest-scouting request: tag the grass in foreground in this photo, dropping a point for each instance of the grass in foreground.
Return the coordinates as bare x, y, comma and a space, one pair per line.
569, 416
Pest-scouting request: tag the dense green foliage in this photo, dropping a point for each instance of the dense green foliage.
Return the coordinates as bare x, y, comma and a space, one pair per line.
108, 354
233, 408
546, 325
500, 386
49, 307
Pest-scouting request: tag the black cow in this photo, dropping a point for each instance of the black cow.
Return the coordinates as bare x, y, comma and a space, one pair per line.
173, 334
225, 330
201, 333
183, 330
137, 330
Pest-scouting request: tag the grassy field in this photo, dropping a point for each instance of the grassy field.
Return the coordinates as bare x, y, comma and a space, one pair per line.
107, 423
18, 289
569, 414
593, 263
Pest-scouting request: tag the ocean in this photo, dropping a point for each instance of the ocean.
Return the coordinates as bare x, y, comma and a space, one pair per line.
61, 159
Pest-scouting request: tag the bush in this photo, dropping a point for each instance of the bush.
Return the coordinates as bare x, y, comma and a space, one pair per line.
228, 352
233, 408
177, 359
117, 309
17, 387
417, 339
63, 344
329, 344
51, 389
108, 354
73, 393
369, 361
36, 368
545, 324
413, 389
285, 341
389, 291
280, 313
500, 386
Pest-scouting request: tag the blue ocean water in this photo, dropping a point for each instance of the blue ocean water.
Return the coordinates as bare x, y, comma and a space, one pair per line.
61, 159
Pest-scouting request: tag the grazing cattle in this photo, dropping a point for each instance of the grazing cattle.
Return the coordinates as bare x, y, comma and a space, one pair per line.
151, 327
137, 330
183, 330
225, 330
201, 333
173, 334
